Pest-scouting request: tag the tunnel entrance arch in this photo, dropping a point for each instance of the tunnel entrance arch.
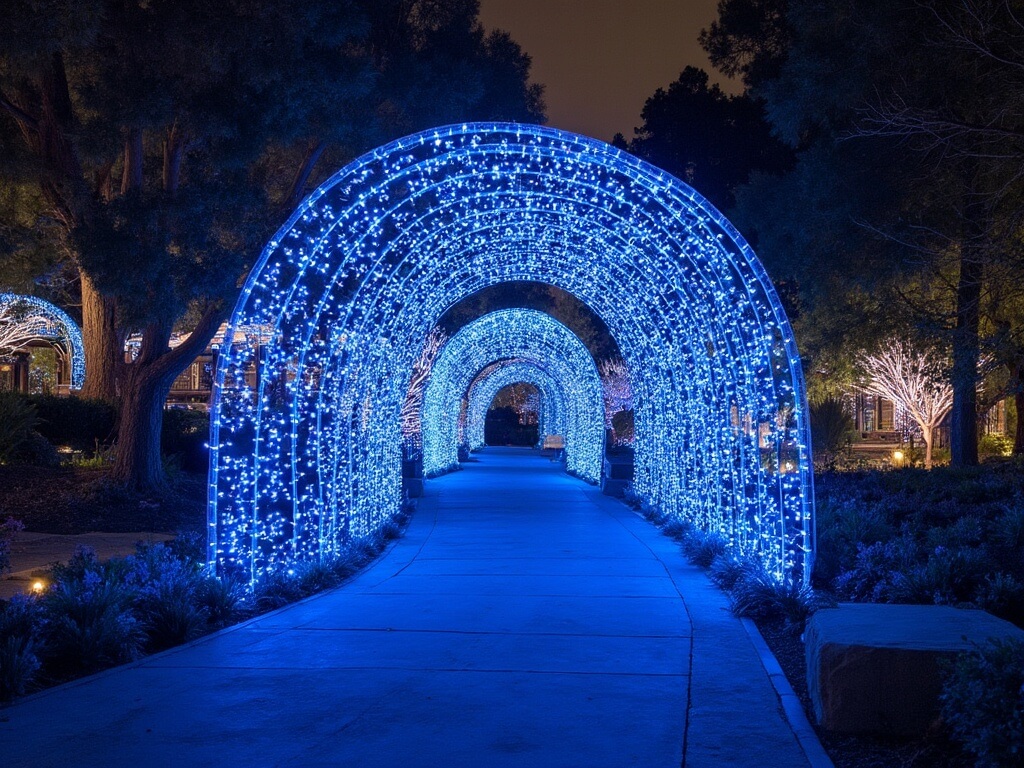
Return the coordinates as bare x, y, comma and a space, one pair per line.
306, 455
514, 334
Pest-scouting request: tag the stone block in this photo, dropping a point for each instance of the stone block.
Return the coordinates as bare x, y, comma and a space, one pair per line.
875, 668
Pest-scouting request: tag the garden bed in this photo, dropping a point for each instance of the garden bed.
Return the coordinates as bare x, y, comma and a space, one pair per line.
946, 537
73, 500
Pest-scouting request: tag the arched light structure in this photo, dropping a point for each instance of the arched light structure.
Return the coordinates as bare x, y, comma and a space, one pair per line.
493, 379
348, 289
27, 319
524, 335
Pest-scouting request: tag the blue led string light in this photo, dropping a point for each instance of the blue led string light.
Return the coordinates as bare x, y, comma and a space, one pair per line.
485, 387
27, 319
524, 335
307, 457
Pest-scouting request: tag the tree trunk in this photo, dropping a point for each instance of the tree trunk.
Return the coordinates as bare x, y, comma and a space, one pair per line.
929, 441
966, 347
138, 465
147, 382
104, 351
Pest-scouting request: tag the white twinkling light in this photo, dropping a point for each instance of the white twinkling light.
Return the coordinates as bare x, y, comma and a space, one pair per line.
306, 428
25, 319
523, 335
495, 377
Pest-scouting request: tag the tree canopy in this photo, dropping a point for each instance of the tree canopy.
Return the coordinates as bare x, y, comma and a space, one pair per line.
149, 148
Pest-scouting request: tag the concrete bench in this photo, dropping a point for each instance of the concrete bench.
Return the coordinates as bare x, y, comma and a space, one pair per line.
875, 668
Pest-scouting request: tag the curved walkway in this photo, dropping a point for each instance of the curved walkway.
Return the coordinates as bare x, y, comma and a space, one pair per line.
524, 620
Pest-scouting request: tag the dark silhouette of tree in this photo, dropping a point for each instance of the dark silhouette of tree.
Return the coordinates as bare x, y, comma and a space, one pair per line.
155, 145
708, 139
907, 185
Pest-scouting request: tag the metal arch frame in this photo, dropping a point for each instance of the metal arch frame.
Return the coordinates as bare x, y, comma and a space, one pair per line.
496, 377
514, 334
47, 322
349, 287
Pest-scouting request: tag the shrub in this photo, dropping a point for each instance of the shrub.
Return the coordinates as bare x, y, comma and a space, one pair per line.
1002, 595
185, 435
726, 570
75, 422
995, 445
879, 572
831, 428
90, 624
19, 647
950, 576
219, 598
166, 589
676, 529
1008, 529
843, 523
983, 702
702, 547
758, 594
18, 420
346, 564
623, 427
391, 530
277, 588
8, 530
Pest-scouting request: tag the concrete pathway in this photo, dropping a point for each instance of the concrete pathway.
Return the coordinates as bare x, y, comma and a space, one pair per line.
524, 620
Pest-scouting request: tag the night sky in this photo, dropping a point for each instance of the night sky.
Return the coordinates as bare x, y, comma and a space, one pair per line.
601, 59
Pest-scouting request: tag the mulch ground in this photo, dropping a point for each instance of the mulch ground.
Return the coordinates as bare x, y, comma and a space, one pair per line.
72, 500
932, 751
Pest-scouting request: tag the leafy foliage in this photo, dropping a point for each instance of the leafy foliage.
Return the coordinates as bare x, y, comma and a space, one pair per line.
831, 427
983, 703
758, 594
702, 547
708, 139
947, 537
75, 422
18, 420
20, 620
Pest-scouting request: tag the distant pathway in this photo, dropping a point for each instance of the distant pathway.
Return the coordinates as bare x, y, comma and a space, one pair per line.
524, 620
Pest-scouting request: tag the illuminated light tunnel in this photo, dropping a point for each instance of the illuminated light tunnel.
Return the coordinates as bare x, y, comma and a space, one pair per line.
494, 378
306, 455
521, 334
25, 319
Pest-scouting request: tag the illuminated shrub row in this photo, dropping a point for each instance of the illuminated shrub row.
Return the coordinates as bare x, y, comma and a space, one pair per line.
307, 448
524, 335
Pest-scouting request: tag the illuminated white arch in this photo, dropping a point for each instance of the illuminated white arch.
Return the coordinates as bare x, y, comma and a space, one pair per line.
494, 378
350, 286
524, 335
27, 319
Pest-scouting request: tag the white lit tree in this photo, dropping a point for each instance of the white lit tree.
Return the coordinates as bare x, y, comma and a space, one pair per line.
618, 394
19, 328
414, 399
916, 380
